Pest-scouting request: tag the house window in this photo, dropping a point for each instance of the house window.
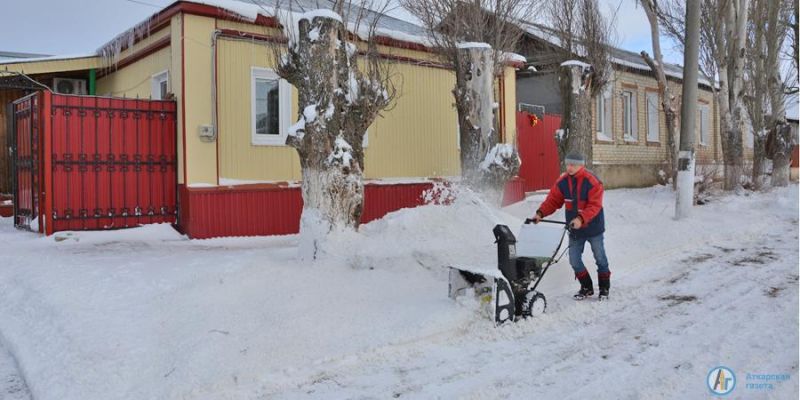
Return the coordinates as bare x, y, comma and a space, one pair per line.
603, 113
629, 116
704, 124
159, 85
270, 107
652, 117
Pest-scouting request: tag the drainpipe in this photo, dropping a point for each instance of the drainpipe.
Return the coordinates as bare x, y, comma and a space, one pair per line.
92, 82
214, 37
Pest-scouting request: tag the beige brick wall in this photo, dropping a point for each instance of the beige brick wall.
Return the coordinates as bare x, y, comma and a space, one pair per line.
623, 152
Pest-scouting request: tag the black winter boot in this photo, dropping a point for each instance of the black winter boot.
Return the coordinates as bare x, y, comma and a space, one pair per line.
604, 283
587, 288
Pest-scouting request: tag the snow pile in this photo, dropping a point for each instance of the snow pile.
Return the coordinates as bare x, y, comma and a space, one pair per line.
433, 237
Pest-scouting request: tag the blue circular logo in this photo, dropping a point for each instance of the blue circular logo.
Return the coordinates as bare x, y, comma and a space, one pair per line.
721, 380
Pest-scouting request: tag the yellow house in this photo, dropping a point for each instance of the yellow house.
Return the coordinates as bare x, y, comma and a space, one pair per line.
214, 58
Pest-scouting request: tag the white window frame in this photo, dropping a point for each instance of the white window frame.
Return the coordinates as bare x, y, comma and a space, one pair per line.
630, 115
604, 131
653, 117
704, 125
155, 84
284, 108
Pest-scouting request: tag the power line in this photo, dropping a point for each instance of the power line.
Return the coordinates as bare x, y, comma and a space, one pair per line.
144, 3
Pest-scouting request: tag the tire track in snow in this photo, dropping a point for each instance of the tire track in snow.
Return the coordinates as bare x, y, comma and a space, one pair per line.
12, 384
642, 324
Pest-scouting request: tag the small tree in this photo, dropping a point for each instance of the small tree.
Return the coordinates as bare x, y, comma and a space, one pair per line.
475, 38
585, 71
767, 30
342, 87
669, 102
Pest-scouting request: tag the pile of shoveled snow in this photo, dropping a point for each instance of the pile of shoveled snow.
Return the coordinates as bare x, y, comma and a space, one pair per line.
432, 236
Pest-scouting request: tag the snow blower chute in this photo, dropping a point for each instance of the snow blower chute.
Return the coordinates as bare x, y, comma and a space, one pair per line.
508, 293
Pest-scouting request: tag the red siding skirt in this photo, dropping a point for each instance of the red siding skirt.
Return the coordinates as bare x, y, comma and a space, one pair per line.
272, 209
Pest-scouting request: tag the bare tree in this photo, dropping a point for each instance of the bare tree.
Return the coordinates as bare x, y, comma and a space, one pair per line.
722, 55
669, 102
765, 89
342, 86
475, 38
584, 36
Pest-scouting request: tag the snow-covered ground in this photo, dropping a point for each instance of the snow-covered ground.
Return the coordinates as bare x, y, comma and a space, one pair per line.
147, 314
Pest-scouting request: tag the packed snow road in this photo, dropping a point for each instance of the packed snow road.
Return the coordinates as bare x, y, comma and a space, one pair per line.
147, 314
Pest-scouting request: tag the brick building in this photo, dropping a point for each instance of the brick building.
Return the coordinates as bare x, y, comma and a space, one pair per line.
629, 138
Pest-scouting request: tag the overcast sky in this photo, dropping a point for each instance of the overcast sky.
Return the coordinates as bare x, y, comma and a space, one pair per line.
81, 26
66, 27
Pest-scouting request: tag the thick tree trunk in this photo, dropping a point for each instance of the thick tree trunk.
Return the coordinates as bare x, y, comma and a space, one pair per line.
781, 154
336, 105
730, 61
486, 164
576, 124
474, 95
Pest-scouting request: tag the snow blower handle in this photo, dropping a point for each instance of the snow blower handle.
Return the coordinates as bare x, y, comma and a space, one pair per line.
549, 221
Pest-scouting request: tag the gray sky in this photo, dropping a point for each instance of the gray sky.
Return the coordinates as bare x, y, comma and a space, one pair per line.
80, 26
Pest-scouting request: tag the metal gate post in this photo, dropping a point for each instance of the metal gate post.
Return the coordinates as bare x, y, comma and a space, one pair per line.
46, 160
11, 148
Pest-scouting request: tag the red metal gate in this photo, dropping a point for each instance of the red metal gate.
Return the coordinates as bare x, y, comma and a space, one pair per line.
105, 162
537, 150
25, 147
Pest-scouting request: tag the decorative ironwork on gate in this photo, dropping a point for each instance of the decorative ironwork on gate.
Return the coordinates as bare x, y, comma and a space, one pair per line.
25, 146
104, 162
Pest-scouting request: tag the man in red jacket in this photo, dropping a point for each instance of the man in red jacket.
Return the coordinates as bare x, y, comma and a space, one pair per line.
581, 193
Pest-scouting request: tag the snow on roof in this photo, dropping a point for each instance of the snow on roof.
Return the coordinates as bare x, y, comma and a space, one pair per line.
579, 63
16, 54
618, 56
473, 45
46, 58
250, 10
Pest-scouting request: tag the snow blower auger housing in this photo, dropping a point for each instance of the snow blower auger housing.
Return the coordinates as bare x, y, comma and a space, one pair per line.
508, 293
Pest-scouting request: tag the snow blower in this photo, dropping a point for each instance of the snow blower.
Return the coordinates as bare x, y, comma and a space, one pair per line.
508, 293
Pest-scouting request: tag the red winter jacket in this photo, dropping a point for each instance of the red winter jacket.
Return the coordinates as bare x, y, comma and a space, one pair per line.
582, 196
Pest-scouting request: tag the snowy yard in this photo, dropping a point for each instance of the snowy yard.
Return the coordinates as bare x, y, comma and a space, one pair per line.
147, 314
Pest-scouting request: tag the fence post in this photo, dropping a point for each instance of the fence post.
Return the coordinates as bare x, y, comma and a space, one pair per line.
46, 157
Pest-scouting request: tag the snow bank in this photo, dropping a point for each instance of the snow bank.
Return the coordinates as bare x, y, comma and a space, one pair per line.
433, 236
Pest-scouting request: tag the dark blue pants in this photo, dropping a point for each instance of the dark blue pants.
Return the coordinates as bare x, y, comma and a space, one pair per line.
576, 245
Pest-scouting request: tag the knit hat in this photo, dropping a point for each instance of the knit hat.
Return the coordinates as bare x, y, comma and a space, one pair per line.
575, 158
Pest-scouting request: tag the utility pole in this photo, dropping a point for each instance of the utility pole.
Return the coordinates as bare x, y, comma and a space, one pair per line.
684, 198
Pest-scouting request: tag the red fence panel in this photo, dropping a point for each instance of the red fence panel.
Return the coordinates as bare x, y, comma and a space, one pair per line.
114, 162
381, 199
537, 150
